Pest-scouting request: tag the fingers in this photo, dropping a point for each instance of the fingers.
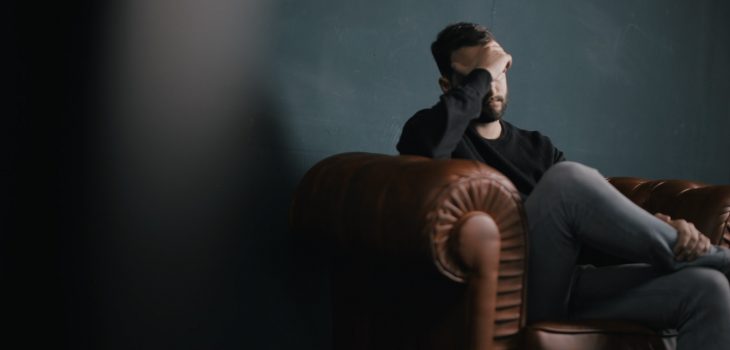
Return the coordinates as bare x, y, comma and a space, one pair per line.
683, 238
691, 243
663, 217
704, 245
702, 248
691, 250
493, 44
698, 250
494, 59
493, 48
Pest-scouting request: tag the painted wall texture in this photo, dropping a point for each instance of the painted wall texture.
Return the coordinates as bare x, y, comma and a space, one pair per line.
631, 88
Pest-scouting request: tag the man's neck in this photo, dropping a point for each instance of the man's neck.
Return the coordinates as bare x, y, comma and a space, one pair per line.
489, 131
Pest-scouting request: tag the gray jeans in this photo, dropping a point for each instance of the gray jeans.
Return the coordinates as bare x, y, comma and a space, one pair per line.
573, 205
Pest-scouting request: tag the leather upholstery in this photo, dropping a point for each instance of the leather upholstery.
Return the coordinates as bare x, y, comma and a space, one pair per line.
596, 335
415, 209
706, 206
407, 271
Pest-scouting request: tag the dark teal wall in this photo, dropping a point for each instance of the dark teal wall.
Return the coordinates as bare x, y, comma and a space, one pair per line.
634, 88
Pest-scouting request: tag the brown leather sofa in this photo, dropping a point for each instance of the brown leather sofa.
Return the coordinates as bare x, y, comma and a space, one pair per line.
430, 254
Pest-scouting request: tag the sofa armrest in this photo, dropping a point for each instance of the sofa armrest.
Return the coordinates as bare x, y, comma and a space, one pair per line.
706, 206
403, 205
461, 216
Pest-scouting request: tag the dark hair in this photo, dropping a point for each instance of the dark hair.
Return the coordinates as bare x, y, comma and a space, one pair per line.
454, 37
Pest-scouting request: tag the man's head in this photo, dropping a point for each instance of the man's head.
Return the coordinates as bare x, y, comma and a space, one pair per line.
459, 45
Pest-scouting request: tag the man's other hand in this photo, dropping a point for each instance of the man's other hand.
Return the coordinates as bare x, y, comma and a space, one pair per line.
691, 243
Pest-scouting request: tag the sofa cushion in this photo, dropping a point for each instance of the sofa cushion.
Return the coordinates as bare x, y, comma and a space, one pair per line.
596, 335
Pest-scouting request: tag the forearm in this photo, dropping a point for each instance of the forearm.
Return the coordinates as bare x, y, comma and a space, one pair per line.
436, 132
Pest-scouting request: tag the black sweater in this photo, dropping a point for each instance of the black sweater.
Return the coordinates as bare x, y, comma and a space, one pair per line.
446, 131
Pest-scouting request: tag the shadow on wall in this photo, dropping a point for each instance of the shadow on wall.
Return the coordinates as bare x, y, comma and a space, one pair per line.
195, 260
204, 259
280, 279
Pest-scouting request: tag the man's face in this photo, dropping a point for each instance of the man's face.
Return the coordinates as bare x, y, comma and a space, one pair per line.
495, 102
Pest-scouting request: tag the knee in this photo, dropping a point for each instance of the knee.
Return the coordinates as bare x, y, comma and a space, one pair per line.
697, 297
708, 286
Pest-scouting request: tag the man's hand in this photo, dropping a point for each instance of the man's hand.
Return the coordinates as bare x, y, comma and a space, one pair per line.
691, 243
491, 57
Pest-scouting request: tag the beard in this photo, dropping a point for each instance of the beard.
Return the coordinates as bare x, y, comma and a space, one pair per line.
490, 114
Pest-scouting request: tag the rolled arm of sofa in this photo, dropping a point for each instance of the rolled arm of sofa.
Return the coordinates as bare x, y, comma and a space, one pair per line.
407, 206
461, 216
706, 206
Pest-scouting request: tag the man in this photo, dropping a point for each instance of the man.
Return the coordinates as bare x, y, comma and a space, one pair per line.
679, 279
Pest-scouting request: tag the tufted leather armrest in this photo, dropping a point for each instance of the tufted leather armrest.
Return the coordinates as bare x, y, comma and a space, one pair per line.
403, 205
706, 206
431, 211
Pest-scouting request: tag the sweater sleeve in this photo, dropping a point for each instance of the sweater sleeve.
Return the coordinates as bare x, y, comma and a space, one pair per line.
435, 132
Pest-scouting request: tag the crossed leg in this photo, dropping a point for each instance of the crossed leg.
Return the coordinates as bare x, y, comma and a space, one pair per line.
574, 205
